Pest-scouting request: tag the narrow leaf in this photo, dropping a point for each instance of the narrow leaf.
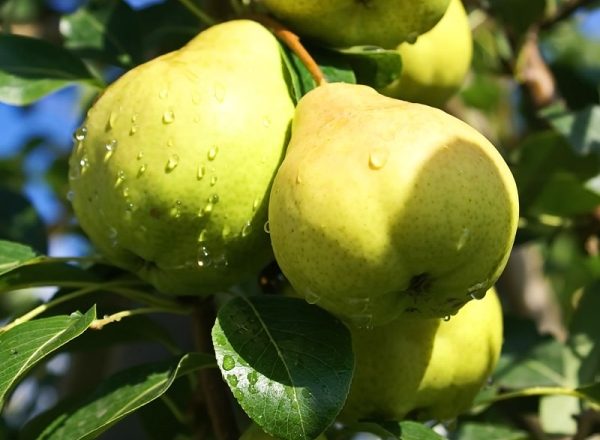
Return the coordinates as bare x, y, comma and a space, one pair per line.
581, 128
288, 363
118, 397
31, 68
27, 344
13, 255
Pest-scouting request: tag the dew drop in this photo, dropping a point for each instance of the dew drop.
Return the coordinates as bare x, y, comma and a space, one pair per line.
267, 227
447, 318
232, 379
110, 148
226, 232
70, 195
172, 163
120, 178
84, 164
204, 260
246, 229
176, 209
142, 169
252, 377
219, 92
203, 236
80, 134
477, 291
168, 116
110, 123
463, 239
163, 93
74, 173
129, 206
125, 192
378, 157
134, 118
201, 172
255, 204
112, 236
228, 363
311, 296
214, 198
412, 37
207, 209
298, 179
132, 130
140, 155
213, 180
170, 143
212, 153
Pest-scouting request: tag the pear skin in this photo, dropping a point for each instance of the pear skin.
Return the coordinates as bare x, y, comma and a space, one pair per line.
172, 167
383, 207
428, 368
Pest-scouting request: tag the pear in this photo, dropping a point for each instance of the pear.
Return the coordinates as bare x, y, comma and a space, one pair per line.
172, 168
383, 207
428, 368
435, 66
342, 23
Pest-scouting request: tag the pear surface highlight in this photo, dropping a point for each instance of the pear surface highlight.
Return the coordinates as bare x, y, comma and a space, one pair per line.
172, 167
383, 207
435, 66
428, 368
342, 23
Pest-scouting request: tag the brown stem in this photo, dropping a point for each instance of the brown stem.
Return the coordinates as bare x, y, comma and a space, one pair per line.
215, 392
292, 41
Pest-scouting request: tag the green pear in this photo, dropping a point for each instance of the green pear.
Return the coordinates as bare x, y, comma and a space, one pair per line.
435, 66
172, 168
255, 432
383, 206
428, 368
342, 23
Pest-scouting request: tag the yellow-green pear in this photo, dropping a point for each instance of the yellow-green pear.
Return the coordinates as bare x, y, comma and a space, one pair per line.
341, 23
383, 206
255, 432
428, 368
172, 168
435, 66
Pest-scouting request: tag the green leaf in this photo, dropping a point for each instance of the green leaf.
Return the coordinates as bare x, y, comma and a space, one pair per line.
373, 66
489, 431
581, 128
27, 344
104, 30
564, 195
40, 273
389, 430
13, 255
591, 393
416, 431
31, 69
556, 414
516, 14
288, 363
115, 398
20, 222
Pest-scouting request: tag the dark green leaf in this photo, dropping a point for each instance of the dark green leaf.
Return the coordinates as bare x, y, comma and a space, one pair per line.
45, 273
591, 393
372, 65
104, 30
564, 195
31, 69
580, 128
488, 431
516, 14
288, 363
584, 335
13, 255
20, 222
116, 398
27, 344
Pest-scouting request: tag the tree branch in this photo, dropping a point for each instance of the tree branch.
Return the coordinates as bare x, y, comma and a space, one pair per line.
563, 13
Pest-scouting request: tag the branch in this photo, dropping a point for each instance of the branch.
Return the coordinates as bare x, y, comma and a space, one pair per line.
215, 392
563, 13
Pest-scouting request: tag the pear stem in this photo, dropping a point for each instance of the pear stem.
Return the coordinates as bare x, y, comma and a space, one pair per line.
292, 41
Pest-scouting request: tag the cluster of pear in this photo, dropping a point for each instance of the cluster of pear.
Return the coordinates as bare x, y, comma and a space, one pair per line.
194, 169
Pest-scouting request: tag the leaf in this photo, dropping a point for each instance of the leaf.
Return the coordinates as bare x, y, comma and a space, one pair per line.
288, 363
416, 431
104, 30
44, 272
373, 66
27, 344
489, 431
591, 393
528, 13
31, 69
556, 414
13, 255
115, 398
20, 222
581, 128
564, 195
389, 430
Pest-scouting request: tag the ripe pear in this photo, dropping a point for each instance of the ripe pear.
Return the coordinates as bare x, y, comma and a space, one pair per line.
428, 368
172, 168
341, 23
383, 206
435, 66
254, 432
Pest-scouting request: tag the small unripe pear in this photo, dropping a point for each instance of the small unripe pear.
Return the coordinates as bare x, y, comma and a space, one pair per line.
173, 165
